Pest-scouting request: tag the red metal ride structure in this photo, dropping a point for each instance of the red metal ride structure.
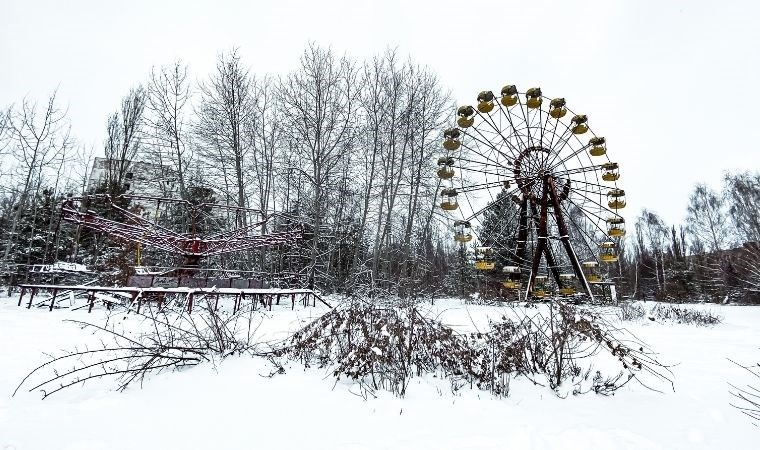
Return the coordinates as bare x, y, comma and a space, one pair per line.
192, 231
133, 224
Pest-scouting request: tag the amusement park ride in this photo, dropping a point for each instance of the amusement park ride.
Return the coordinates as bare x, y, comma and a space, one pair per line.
196, 232
526, 182
540, 165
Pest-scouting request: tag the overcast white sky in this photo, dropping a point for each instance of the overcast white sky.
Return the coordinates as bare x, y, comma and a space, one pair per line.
673, 85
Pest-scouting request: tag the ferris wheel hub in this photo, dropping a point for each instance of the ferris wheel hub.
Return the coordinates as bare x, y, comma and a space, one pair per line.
533, 169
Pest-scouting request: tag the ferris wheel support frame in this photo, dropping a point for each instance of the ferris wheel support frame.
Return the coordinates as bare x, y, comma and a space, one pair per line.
565, 237
542, 238
549, 193
550, 261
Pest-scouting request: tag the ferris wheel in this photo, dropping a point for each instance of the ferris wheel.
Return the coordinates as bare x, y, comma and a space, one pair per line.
529, 184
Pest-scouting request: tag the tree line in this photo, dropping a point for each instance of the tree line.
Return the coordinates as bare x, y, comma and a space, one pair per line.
347, 146
713, 256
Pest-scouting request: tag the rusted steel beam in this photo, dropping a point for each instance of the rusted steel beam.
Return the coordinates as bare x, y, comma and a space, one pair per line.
564, 236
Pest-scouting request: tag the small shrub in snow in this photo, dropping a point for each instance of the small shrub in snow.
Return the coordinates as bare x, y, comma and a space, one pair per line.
171, 342
631, 311
691, 316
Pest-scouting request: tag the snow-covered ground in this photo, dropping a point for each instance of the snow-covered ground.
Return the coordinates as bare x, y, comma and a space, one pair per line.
234, 406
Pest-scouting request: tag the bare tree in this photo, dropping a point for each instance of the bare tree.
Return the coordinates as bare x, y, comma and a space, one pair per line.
706, 220
392, 131
427, 119
743, 196
373, 102
6, 136
653, 235
320, 101
39, 137
5, 130
123, 140
265, 131
227, 106
167, 104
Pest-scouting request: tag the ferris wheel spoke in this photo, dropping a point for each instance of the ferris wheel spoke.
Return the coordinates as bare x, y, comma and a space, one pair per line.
480, 186
556, 122
602, 208
467, 169
577, 170
589, 213
566, 134
530, 127
523, 131
525, 119
486, 142
561, 136
482, 155
479, 163
577, 189
600, 186
489, 120
541, 125
552, 165
507, 114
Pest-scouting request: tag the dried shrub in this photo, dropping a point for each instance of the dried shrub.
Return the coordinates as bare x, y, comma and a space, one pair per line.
171, 341
377, 346
384, 347
748, 397
665, 312
672, 313
631, 311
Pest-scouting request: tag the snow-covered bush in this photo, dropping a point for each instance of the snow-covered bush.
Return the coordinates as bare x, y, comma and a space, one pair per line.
384, 347
166, 341
668, 312
631, 311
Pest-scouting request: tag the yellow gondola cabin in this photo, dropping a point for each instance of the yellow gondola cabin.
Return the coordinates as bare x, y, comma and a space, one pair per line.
616, 198
449, 202
608, 254
445, 167
611, 172
485, 101
513, 277
598, 146
539, 286
484, 258
591, 271
509, 95
462, 231
567, 283
533, 98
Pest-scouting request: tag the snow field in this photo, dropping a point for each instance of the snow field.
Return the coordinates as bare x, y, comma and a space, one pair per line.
233, 405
